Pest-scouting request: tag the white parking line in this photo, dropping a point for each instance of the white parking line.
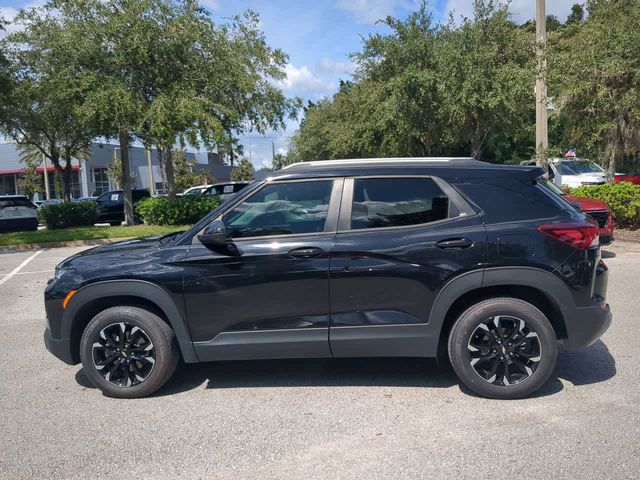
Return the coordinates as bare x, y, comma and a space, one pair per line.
16, 270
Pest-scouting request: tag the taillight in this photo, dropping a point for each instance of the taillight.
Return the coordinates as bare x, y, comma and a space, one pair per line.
578, 235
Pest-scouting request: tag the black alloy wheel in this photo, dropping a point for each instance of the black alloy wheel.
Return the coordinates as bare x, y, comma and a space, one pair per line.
505, 350
123, 354
128, 352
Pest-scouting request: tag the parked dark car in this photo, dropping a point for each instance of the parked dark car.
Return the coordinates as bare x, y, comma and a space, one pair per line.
357, 258
111, 205
225, 190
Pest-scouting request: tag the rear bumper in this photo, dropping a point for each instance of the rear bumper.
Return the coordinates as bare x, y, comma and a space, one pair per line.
586, 325
59, 347
18, 224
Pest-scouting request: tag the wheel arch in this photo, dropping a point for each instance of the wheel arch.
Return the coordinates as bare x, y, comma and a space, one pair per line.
94, 298
540, 288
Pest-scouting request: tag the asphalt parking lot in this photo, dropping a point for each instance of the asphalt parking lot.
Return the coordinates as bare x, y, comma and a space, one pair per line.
295, 419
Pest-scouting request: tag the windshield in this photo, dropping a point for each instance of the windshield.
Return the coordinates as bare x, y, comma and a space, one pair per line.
577, 167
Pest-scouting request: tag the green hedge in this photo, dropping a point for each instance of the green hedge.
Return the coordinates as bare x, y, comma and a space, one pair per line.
181, 211
65, 215
623, 198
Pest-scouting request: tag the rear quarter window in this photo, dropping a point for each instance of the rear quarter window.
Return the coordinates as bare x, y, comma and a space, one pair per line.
509, 200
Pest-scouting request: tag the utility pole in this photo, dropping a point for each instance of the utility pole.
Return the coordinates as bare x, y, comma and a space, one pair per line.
542, 137
273, 151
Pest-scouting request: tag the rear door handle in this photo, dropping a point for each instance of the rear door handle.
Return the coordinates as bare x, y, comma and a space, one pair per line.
455, 243
306, 252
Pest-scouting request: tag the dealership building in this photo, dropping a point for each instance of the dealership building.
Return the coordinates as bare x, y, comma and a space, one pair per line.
89, 177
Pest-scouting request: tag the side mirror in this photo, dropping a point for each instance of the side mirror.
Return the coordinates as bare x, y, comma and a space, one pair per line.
217, 238
552, 174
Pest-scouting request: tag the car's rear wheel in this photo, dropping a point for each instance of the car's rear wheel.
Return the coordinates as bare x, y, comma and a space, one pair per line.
503, 348
128, 352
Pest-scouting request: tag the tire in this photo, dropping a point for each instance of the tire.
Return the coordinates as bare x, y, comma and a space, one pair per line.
138, 370
115, 224
490, 335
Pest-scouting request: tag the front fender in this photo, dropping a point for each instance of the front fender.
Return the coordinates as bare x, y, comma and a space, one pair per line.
141, 289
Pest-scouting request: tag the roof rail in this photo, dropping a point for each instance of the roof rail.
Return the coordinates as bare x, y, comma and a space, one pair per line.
368, 161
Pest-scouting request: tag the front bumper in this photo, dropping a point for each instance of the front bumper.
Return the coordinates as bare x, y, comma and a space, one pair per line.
586, 325
59, 347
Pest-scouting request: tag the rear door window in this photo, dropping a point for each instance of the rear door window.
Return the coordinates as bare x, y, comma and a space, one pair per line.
396, 202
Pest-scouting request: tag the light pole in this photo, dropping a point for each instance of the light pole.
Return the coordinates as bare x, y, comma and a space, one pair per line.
542, 138
47, 193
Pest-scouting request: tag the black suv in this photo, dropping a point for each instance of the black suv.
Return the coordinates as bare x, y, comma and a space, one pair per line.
351, 258
111, 205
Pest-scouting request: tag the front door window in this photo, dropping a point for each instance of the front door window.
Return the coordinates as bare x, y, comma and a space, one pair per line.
282, 209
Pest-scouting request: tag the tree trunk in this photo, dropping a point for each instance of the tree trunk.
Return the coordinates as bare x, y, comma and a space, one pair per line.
611, 167
160, 152
62, 176
66, 181
129, 218
476, 144
168, 167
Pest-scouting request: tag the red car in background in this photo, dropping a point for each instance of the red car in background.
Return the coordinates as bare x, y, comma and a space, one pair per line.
596, 209
624, 177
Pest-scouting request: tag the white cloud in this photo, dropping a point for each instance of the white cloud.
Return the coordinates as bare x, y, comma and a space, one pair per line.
329, 66
301, 80
522, 10
9, 14
370, 11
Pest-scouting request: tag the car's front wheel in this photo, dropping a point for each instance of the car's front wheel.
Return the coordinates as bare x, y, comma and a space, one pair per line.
503, 348
128, 352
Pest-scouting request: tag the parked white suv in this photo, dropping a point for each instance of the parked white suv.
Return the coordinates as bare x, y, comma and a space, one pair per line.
17, 213
575, 172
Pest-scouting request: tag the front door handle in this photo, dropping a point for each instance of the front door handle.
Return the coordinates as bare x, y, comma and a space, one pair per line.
306, 252
455, 243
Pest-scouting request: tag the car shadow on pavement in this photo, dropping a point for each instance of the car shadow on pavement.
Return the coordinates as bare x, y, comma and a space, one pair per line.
410, 372
587, 366
591, 365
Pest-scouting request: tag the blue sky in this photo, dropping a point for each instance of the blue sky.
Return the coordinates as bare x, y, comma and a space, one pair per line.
318, 36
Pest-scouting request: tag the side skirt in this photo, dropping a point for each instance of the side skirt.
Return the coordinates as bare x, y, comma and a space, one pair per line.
406, 340
266, 344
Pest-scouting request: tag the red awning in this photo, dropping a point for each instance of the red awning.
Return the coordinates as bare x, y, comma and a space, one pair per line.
39, 170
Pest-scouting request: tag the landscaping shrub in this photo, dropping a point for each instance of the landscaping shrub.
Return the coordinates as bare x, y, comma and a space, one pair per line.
181, 211
64, 215
623, 198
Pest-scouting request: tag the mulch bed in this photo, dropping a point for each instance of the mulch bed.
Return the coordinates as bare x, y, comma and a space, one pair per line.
625, 235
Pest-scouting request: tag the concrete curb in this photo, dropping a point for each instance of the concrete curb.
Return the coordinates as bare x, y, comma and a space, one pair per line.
25, 247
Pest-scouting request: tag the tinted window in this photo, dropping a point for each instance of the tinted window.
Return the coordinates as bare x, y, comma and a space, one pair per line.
282, 209
393, 202
16, 202
506, 200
